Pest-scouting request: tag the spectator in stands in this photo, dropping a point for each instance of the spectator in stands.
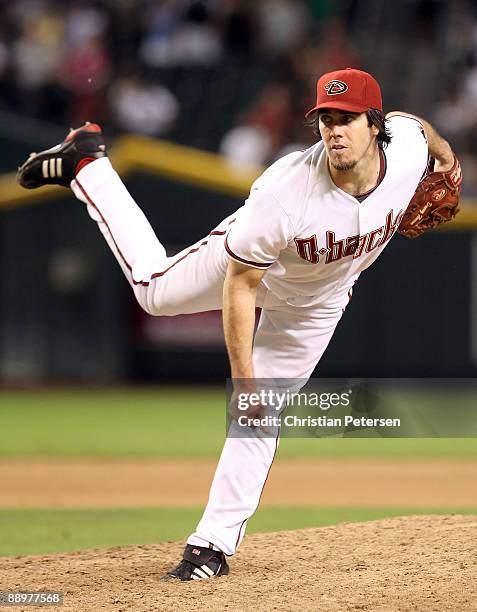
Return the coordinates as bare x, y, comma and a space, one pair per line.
160, 21
141, 107
456, 118
83, 21
85, 73
456, 115
334, 50
59, 62
283, 24
36, 57
264, 129
181, 37
197, 41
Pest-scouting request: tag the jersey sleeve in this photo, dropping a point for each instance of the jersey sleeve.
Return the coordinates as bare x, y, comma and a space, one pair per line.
409, 142
260, 231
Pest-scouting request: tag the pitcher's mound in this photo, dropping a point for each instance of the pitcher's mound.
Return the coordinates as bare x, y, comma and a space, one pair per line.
409, 563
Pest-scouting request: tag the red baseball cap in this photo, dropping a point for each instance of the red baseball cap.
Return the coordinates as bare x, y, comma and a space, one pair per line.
349, 90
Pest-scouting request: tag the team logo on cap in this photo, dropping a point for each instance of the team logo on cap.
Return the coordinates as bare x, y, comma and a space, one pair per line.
335, 87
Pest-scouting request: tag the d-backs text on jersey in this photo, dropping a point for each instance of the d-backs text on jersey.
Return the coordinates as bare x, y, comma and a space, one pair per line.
354, 246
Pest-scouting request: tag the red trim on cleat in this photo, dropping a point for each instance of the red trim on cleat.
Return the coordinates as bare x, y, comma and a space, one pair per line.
87, 127
83, 162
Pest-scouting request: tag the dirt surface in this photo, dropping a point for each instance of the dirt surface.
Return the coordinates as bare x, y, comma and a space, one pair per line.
126, 483
411, 563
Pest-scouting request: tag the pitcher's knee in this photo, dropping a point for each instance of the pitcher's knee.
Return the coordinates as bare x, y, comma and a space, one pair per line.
148, 300
145, 300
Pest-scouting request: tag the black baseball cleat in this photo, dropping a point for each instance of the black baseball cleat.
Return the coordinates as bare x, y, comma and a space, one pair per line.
198, 563
60, 164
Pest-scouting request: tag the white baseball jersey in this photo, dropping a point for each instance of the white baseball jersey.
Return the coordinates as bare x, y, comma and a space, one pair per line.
314, 239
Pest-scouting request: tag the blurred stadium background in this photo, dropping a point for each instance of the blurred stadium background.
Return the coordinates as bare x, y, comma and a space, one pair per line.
232, 78
195, 97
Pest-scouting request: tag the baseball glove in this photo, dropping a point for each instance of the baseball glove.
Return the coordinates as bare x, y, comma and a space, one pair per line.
435, 201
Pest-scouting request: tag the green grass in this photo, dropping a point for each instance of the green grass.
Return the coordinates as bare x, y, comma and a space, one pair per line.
104, 423
37, 531
380, 448
170, 423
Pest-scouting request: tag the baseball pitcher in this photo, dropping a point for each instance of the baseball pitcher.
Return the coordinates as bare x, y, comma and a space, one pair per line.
313, 221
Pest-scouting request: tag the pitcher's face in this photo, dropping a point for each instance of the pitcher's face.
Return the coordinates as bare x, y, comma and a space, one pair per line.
348, 138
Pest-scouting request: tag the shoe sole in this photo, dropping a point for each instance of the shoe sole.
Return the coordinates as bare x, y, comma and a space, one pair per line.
224, 571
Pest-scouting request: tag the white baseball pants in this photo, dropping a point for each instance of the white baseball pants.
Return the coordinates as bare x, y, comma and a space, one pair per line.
289, 341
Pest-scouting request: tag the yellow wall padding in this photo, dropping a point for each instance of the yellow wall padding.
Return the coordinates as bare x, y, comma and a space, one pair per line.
137, 153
